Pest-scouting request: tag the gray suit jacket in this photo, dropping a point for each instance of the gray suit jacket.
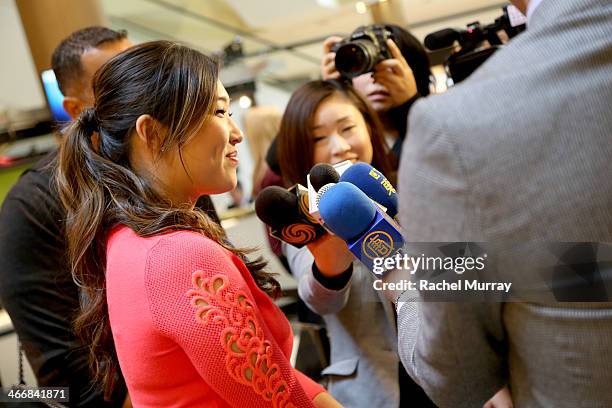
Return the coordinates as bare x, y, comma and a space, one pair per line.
361, 329
521, 151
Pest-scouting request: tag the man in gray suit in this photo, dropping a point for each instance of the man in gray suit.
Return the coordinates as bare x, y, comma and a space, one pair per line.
519, 152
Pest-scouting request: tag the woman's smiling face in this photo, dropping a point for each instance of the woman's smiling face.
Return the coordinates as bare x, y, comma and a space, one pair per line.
211, 156
340, 133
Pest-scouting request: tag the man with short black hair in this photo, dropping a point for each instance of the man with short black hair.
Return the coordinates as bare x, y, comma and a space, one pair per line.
76, 60
36, 286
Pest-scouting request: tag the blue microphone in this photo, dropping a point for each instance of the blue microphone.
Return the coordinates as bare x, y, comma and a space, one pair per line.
367, 230
374, 184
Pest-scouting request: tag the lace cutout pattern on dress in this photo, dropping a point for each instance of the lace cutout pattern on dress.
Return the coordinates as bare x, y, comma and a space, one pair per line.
248, 355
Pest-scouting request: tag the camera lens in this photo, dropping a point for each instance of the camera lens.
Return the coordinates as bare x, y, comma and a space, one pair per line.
356, 58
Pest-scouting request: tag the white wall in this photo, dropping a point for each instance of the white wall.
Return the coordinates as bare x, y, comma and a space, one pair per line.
19, 83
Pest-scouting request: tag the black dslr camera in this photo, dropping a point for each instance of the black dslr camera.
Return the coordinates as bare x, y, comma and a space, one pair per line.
362, 50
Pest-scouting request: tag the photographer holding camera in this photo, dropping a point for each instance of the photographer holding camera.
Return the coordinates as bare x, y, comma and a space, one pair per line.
388, 66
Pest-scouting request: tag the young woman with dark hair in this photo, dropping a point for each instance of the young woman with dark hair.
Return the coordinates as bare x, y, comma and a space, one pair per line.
189, 319
298, 146
329, 122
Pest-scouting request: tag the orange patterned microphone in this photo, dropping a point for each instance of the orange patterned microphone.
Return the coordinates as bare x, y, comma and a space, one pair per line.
286, 213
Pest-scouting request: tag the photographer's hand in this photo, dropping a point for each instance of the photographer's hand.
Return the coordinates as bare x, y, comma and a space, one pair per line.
328, 64
396, 75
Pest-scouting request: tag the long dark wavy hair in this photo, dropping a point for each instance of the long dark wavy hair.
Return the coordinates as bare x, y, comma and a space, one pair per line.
98, 186
295, 141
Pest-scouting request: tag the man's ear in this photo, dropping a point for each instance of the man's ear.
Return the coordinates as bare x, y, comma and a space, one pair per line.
148, 132
73, 106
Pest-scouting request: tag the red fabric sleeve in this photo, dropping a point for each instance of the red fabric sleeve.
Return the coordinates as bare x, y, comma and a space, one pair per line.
311, 388
199, 299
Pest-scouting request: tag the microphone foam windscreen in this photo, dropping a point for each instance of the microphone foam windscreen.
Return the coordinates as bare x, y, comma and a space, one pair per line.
276, 206
374, 184
346, 210
322, 174
322, 191
441, 39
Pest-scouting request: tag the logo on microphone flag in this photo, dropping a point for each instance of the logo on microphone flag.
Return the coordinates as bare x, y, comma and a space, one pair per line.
382, 240
377, 244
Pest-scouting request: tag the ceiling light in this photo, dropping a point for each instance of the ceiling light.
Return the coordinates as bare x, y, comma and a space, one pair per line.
331, 4
245, 102
361, 7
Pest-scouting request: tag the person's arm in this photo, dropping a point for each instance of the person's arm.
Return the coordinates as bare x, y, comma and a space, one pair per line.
325, 400
324, 293
199, 298
455, 351
37, 290
322, 399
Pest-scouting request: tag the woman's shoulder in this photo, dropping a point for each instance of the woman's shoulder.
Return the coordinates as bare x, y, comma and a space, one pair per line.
171, 257
177, 254
175, 250
173, 240
187, 243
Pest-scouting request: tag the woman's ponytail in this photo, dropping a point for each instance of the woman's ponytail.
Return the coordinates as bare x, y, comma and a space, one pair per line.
82, 193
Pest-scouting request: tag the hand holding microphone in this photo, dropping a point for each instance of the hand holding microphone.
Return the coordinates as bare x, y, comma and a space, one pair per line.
369, 232
331, 255
346, 205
